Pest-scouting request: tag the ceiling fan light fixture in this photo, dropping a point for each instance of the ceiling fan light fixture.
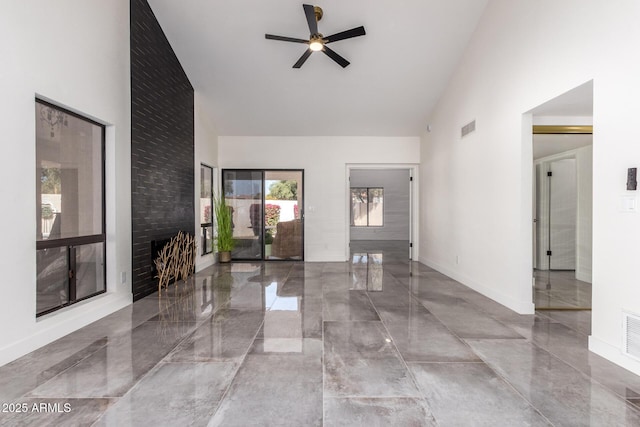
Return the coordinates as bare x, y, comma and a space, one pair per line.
316, 44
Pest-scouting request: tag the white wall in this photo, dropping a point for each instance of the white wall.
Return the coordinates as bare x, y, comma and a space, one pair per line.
205, 151
396, 203
476, 198
75, 54
584, 231
547, 145
324, 161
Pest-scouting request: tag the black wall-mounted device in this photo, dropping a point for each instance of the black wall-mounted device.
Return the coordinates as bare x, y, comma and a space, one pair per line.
632, 182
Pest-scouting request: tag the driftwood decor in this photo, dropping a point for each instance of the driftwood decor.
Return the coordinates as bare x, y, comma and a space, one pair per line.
176, 260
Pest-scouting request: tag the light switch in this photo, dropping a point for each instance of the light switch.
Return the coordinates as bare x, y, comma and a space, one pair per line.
628, 204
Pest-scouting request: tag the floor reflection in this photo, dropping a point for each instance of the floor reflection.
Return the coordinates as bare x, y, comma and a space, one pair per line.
367, 271
282, 331
377, 340
560, 290
374, 273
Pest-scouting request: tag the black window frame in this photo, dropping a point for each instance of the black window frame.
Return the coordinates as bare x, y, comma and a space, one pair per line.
205, 225
72, 242
353, 224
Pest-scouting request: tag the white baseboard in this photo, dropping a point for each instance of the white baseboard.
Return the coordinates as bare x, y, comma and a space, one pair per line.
327, 259
50, 327
613, 354
520, 307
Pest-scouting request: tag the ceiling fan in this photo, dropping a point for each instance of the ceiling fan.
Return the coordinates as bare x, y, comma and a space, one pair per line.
318, 42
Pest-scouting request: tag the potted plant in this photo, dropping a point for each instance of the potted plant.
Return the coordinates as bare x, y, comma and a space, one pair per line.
268, 241
224, 229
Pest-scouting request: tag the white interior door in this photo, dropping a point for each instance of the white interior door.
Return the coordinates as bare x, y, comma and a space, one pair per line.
562, 214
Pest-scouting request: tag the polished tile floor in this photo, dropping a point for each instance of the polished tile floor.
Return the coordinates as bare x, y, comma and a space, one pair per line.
561, 290
376, 341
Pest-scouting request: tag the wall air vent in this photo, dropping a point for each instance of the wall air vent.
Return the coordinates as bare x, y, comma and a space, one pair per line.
468, 128
631, 335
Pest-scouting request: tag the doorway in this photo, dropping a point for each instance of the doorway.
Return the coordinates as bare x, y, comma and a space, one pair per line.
268, 213
562, 201
562, 260
380, 212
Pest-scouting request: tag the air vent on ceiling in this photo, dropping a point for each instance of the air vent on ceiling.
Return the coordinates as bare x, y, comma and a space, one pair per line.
468, 128
631, 335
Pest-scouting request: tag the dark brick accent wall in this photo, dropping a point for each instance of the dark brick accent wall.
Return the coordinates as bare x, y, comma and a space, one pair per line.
162, 144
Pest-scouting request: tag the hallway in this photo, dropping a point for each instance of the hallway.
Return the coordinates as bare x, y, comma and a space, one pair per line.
376, 341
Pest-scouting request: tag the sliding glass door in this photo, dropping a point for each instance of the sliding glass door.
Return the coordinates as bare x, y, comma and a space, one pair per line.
267, 208
283, 215
243, 193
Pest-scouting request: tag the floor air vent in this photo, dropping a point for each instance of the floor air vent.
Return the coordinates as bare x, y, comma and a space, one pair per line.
631, 335
468, 128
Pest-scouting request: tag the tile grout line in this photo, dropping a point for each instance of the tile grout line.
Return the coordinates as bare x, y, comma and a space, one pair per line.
235, 373
482, 361
162, 361
112, 399
423, 283
532, 342
464, 340
583, 374
423, 399
552, 320
242, 360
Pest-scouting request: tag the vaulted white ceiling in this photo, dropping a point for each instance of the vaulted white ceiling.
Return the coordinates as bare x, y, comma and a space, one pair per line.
248, 86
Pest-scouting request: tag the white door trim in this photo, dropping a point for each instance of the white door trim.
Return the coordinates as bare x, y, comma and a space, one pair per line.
414, 231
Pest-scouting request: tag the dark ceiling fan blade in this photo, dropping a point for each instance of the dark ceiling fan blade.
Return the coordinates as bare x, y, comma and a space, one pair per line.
354, 32
333, 55
311, 18
307, 53
285, 39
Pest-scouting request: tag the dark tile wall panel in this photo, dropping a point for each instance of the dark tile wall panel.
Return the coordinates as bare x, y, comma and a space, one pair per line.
162, 144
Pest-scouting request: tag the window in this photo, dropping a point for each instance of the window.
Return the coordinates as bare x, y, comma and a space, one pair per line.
367, 208
206, 209
70, 220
